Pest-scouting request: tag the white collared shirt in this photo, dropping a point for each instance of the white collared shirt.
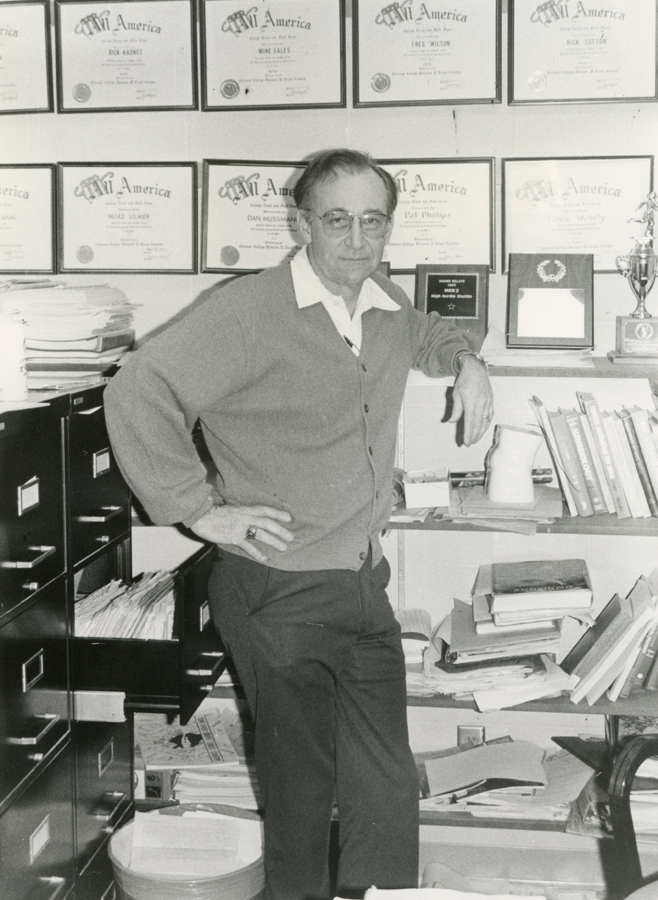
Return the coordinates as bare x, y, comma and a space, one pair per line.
310, 290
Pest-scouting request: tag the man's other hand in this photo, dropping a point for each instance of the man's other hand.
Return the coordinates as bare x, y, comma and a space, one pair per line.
245, 527
472, 399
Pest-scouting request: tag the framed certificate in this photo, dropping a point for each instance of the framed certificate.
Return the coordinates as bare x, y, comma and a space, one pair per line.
27, 219
274, 54
126, 55
572, 205
127, 217
457, 293
414, 53
550, 301
249, 215
444, 213
582, 52
25, 58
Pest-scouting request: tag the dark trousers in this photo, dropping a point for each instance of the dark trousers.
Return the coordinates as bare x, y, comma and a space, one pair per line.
319, 657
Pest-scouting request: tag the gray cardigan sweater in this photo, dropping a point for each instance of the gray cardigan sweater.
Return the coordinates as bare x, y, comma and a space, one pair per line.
292, 419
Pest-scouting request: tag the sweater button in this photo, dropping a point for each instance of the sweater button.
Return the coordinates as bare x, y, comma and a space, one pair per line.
363, 367
366, 408
371, 451
362, 555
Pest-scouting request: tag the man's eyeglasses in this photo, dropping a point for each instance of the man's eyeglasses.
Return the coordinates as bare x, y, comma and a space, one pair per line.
337, 222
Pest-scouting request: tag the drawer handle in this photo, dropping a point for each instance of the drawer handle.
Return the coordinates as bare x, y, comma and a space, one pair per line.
210, 673
44, 552
57, 885
34, 739
104, 514
107, 813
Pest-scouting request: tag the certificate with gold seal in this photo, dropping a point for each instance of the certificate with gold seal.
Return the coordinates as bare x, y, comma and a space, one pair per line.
272, 54
445, 213
119, 55
127, 217
426, 52
249, 217
27, 219
25, 62
578, 51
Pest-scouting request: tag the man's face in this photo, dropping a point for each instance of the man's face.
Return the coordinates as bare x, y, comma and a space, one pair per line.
343, 262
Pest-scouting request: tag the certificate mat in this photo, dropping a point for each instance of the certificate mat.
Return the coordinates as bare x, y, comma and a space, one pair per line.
579, 50
426, 52
249, 215
25, 84
272, 53
573, 205
126, 55
127, 217
27, 221
444, 213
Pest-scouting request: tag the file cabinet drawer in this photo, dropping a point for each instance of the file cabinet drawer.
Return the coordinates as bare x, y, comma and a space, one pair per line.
97, 880
99, 497
31, 501
36, 837
34, 687
160, 674
103, 755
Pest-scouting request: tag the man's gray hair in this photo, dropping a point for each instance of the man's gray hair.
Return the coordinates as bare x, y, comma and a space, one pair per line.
328, 164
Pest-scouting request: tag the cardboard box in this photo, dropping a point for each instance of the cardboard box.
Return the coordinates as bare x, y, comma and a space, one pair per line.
427, 487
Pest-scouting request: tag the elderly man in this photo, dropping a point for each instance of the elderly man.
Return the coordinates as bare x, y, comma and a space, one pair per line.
296, 376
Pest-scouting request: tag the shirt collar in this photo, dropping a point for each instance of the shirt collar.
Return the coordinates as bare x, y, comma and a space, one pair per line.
310, 290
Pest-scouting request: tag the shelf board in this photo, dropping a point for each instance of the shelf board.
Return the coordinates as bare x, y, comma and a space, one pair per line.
465, 819
599, 525
603, 368
641, 703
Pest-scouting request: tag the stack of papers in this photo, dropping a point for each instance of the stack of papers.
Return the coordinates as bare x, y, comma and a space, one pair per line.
142, 610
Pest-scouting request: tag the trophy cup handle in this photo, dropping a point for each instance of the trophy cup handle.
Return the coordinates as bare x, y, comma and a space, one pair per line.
624, 265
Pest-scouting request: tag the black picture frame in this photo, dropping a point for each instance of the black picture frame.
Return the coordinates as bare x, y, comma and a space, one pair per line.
458, 293
550, 301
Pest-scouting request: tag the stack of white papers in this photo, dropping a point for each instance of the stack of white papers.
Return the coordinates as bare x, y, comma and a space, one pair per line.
143, 610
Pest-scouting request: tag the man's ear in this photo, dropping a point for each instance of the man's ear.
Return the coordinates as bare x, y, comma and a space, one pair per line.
303, 226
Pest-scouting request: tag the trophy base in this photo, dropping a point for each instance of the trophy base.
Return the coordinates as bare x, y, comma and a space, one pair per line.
636, 340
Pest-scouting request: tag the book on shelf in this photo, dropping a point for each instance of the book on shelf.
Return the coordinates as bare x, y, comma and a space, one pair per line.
601, 654
541, 415
646, 440
64, 369
639, 492
552, 583
416, 631
466, 645
590, 407
623, 464
570, 462
598, 465
640, 660
584, 454
486, 624
640, 462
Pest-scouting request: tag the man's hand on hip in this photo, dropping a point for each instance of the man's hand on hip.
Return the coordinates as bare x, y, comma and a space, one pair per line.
473, 399
243, 526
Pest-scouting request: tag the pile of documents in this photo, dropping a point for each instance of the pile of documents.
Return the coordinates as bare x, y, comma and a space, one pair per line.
207, 760
73, 335
142, 610
469, 504
503, 779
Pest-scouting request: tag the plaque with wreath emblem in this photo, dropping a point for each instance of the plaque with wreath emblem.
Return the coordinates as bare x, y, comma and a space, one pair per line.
550, 301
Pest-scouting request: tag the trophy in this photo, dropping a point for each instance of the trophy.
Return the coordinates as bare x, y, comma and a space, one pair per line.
637, 334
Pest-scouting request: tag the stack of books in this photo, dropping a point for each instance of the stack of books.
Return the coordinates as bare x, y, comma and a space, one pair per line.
73, 336
606, 460
615, 655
